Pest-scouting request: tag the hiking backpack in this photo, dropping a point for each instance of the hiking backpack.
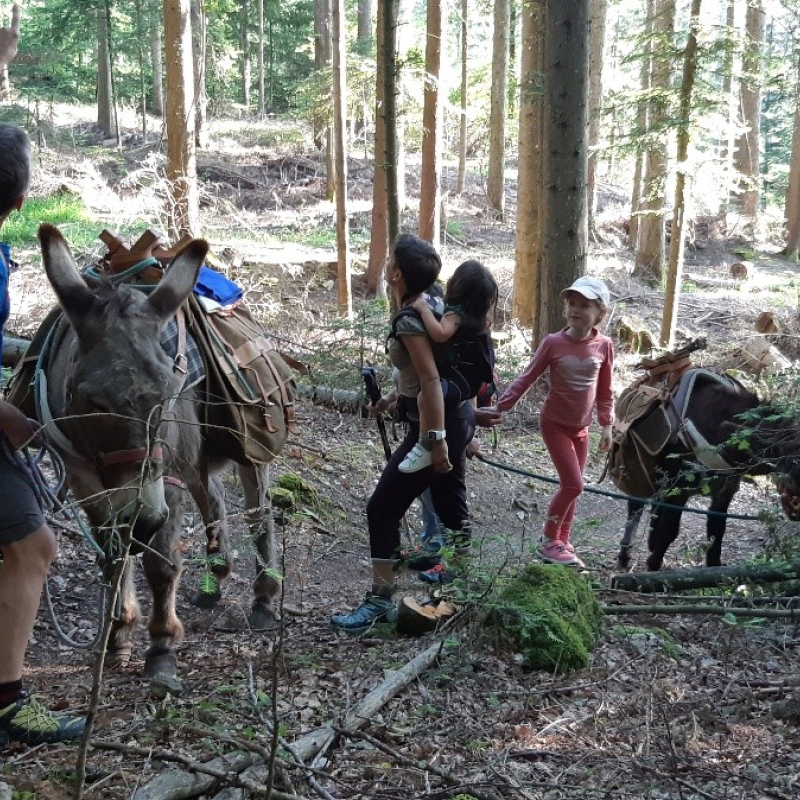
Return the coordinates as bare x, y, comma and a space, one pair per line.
465, 361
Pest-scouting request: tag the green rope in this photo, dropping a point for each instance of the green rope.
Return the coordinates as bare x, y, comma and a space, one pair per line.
655, 504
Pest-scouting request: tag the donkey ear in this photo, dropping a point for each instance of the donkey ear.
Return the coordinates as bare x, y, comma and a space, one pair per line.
70, 288
179, 279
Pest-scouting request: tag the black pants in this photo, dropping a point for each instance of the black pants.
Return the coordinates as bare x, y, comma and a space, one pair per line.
396, 490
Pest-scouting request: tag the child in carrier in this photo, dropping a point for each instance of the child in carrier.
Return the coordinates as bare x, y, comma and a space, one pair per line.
469, 300
580, 360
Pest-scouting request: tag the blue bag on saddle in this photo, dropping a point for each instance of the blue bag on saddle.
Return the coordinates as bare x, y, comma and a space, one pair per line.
215, 286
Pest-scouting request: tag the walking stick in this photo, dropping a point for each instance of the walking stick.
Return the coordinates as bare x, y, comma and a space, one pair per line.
374, 394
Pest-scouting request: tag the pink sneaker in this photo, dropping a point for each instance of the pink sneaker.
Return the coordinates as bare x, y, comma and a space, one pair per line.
555, 552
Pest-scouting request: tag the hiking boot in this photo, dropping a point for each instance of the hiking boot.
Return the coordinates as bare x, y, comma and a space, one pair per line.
375, 610
418, 458
556, 552
29, 721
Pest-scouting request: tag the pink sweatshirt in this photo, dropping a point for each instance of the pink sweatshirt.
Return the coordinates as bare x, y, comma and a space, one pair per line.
580, 378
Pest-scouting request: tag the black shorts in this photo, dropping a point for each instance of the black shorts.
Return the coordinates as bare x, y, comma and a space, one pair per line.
20, 514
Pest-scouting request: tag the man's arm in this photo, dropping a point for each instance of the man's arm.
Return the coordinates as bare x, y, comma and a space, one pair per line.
9, 38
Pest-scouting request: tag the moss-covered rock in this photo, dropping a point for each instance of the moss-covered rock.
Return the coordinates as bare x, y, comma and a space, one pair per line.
551, 615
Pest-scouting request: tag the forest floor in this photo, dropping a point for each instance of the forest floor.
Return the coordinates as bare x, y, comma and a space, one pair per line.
675, 705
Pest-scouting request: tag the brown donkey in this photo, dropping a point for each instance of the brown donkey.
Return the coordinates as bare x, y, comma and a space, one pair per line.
129, 427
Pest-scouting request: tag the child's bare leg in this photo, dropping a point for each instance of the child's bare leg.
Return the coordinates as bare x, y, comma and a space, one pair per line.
420, 455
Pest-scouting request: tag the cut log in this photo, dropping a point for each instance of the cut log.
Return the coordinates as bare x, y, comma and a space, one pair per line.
702, 577
711, 611
312, 743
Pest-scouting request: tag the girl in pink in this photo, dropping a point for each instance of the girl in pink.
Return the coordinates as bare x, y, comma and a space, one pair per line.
580, 360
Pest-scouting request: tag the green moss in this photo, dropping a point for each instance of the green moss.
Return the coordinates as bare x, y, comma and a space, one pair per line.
301, 489
551, 615
282, 498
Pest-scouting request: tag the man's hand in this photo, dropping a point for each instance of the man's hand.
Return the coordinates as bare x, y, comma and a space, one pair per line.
488, 417
440, 457
15, 425
9, 37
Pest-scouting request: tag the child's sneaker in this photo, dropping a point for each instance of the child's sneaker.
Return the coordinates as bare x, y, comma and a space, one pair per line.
375, 610
418, 458
555, 552
439, 574
29, 721
571, 550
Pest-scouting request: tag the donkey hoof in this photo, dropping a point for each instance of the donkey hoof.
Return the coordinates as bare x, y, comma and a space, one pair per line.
203, 599
624, 561
262, 619
164, 684
119, 657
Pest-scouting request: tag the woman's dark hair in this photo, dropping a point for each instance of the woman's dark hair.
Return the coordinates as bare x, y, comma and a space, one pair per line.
15, 165
473, 289
418, 262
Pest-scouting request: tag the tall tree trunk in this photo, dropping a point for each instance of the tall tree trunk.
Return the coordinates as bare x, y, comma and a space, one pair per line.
322, 59
344, 271
141, 43
495, 185
364, 24
247, 68
792, 207
379, 230
388, 54
262, 97
430, 184
184, 212
746, 155
157, 58
641, 124
564, 223
598, 10
526, 305
676, 245
105, 92
199, 40
728, 138
461, 184
650, 247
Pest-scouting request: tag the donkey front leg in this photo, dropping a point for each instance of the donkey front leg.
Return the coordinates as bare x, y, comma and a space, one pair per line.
721, 498
665, 524
162, 565
127, 613
260, 520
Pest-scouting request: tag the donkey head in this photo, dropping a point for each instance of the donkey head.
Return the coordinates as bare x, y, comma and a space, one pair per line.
121, 380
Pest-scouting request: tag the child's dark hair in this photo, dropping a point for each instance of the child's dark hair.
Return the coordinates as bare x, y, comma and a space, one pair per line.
418, 262
474, 290
15, 165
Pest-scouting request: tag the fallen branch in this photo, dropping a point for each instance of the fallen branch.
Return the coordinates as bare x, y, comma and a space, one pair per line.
309, 745
703, 577
713, 611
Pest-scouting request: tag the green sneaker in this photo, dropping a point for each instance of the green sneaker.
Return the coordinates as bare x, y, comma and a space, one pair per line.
29, 721
375, 610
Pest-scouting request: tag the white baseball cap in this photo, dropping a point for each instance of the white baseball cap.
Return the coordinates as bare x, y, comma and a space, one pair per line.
591, 289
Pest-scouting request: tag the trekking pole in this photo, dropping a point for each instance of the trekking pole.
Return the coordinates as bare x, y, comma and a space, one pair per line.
374, 395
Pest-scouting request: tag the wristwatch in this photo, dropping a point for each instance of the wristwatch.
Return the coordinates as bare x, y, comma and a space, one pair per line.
437, 436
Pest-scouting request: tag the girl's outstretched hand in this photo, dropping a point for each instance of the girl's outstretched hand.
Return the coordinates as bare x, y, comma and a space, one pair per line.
488, 416
605, 439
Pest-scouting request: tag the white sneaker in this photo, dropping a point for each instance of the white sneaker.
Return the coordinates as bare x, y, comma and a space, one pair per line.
418, 458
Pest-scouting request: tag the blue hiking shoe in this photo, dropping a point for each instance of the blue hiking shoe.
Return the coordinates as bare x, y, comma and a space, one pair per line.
29, 721
375, 610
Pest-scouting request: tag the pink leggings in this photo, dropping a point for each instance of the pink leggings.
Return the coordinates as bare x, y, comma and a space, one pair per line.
569, 449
